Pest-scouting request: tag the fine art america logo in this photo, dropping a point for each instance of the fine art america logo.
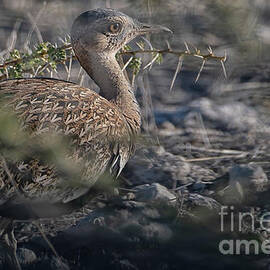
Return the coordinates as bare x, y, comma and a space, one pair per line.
235, 224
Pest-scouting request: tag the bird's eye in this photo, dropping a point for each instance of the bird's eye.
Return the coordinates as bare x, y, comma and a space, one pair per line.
114, 28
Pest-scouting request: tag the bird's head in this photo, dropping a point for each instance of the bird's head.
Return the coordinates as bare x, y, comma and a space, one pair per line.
107, 30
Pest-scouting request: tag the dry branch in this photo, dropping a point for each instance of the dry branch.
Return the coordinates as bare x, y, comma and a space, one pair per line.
18, 64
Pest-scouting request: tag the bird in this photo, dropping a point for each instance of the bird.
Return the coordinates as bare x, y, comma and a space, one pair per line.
103, 126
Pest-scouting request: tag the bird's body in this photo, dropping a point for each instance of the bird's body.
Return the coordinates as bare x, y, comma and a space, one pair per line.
103, 126
99, 130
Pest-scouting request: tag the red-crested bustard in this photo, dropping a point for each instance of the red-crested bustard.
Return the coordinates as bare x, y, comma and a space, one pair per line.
104, 125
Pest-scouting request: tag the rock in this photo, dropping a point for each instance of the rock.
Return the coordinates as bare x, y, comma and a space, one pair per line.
151, 213
153, 192
129, 196
221, 116
155, 165
224, 114
203, 201
199, 186
167, 125
247, 175
147, 230
26, 256
2, 257
244, 182
51, 263
201, 174
134, 204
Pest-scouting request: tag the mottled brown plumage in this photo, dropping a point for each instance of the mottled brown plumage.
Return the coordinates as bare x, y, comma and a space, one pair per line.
97, 126
103, 127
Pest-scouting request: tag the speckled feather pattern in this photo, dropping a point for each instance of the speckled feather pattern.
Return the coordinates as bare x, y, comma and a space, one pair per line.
98, 128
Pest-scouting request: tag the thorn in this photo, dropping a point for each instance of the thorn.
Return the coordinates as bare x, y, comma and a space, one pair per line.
224, 69
199, 73
210, 49
140, 46
127, 63
179, 65
168, 45
195, 49
151, 62
187, 48
225, 55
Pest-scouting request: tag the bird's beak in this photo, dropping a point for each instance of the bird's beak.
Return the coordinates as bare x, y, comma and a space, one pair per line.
148, 28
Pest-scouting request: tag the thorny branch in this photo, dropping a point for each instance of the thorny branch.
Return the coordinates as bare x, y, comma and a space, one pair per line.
47, 56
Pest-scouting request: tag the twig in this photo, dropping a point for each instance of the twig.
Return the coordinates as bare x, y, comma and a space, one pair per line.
182, 187
214, 158
179, 53
67, 46
228, 154
218, 151
46, 239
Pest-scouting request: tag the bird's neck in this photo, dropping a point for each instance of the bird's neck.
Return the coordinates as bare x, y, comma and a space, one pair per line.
107, 74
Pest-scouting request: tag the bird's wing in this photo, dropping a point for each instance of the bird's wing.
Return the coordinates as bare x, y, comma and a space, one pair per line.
97, 127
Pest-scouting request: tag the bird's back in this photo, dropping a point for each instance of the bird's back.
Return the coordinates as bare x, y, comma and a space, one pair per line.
99, 131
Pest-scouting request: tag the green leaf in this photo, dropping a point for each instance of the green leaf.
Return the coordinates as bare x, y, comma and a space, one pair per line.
15, 54
159, 58
135, 65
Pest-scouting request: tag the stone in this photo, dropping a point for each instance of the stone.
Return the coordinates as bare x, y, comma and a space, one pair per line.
26, 256
248, 175
144, 229
244, 182
155, 165
203, 201
221, 116
153, 192
198, 186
